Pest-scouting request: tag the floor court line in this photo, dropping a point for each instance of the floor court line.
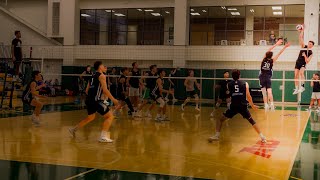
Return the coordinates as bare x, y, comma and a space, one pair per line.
81, 174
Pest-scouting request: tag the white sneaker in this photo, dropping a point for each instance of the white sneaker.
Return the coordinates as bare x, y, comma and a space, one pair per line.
158, 118
72, 132
213, 138
266, 107
105, 140
263, 140
35, 120
212, 114
182, 107
296, 91
301, 89
197, 108
272, 108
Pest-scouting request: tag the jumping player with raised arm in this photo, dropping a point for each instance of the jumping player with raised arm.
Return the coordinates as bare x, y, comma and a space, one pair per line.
266, 71
305, 56
239, 91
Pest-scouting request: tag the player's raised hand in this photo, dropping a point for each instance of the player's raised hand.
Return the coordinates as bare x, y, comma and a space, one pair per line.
279, 42
288, 44
254, 107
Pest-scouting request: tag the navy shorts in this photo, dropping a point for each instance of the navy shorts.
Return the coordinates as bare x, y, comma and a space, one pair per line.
191, 94
234, 110
265, 81
300, 65
97, 106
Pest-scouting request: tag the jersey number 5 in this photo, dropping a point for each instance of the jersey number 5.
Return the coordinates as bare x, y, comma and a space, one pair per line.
236, 88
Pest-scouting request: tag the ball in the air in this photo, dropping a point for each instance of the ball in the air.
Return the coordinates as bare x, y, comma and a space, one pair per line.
299, 27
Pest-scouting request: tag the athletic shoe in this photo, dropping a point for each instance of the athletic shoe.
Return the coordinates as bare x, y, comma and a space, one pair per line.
272, 108
263, 140
105, 140
158, 118
182, 107
35, 120
197, 108
166, 99
266, 107
296, 91
301, 89
72, 132
212, 114
165, 118
213, 138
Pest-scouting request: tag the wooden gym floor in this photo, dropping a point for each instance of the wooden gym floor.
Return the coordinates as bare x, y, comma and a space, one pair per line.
145, 149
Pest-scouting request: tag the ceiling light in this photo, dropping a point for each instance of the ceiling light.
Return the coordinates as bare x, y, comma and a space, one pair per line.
167, 12
276, 8
252, 10
277, 13
85, 15
195, 14
109, 11
119, 14
191, 10
156, 14
232, 9
204, 11
223, 7
235, 13
148, 10
139, 9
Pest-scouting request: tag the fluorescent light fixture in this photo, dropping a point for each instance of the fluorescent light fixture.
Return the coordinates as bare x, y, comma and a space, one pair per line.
252, 10
204, 11
148, 10
232, 9
109, 11
195, 14
156, 14
119, 14
235, 13
85, 15
223, 7
191, 10
277, 13
139, 9
167, 12
276, 8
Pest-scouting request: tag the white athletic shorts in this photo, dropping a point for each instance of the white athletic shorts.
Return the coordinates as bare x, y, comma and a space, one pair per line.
315, 95
134, 92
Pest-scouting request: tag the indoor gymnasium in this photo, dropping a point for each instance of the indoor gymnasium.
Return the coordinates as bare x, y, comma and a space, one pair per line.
159, 90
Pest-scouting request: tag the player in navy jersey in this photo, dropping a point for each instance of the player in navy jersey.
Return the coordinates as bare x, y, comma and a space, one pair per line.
134, 86
95, 103
305, 56
239, 92
315, 84
266, 71
29, 96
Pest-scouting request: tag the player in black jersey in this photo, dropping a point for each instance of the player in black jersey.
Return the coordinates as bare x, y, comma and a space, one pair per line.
30, 94
95, 103
156, 95
134, 85
123, 91
150, 82
239, 92
84, 78
172, 85
305, 56
315, 84
266, 71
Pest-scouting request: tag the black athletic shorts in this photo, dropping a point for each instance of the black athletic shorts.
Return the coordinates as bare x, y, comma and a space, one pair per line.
155, 97
191, 94
223, 94
97, 106
265, 81
300, 65
234, 110
27, 100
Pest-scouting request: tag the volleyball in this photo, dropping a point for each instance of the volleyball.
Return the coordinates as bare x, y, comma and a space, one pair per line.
299, 27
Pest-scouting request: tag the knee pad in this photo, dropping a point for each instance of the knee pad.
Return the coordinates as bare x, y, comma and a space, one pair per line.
161, 102
251, 121
264, 92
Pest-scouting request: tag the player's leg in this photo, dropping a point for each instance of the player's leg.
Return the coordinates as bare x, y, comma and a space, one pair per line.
301, 74
270, 98
219, 101
105, 134
162, 106
186, 101
228, 100
38, 106
219, 122
318, 99
247, 115
128, 102
196, 97
296, 80
158, 117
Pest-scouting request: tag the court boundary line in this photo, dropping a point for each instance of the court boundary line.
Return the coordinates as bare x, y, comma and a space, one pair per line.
296, 151
81, 174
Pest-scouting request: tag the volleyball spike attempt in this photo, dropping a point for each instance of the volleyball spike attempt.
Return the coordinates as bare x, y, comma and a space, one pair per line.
266, 71
304, 58
239, 91
95, 103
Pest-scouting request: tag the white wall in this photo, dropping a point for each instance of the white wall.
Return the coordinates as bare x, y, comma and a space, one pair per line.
29, 37
109, 4
32, 11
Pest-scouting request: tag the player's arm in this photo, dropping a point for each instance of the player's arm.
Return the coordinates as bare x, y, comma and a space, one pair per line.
128, 79
81, 75
87, 88
12, 51
106, 92
282, 50
33, 88
159, 83
249, 98
170, 80
307, 59
301, 41
311, 83
279, 42
197, 84
186, 82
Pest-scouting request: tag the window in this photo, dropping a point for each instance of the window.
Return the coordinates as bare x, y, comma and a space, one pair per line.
152, 26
